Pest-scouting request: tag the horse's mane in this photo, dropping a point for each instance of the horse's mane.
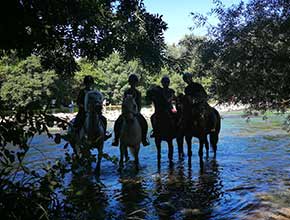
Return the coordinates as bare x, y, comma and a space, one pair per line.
129, 99
96, 95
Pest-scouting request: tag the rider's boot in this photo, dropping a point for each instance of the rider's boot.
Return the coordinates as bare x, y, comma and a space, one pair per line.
144, 127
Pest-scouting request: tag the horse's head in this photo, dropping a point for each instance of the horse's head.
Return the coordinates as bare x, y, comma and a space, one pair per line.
129, 107
152, 93
93, 108
155, 95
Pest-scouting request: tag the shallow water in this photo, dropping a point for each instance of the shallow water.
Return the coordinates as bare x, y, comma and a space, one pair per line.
249, 179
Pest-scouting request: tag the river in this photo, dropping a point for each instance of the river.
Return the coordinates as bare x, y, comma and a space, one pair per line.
249, 179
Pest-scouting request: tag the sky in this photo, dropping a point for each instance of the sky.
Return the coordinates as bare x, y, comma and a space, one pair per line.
176, 13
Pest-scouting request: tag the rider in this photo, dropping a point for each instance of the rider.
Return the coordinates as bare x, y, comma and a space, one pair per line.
168, 93
80, 117
133, 81
197, 92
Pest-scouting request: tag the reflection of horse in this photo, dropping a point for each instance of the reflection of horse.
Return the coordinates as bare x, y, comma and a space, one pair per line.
164, 123
131, 131
91, 135
197, 121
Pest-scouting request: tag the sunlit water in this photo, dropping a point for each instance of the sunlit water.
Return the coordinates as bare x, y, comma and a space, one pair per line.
249, 179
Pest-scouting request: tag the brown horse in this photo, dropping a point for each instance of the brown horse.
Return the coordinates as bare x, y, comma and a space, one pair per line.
163, 121
198, 120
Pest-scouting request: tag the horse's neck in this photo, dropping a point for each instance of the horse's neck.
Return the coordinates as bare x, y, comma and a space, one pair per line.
93, 122
159, 108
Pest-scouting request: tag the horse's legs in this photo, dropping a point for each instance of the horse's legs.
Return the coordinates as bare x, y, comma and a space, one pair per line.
188, 141
213, 141
122, 152
127, 158
158, 146
136, 155
100, 155
170, 150
206, 147
200, 151
179, 141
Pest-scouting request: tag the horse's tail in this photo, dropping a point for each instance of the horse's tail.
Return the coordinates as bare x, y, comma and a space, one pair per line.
214, 136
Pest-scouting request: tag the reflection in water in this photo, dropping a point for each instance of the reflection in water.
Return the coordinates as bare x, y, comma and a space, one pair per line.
132, 198
84, 199
181, 196
249, 180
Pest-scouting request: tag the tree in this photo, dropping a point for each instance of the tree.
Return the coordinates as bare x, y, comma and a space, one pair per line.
60, 30
111, 76
25, 82
248, 53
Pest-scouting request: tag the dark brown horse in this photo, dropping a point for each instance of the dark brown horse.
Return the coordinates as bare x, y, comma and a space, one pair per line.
163, 121
199, 120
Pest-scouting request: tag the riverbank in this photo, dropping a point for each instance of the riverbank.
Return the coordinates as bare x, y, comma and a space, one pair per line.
113, 113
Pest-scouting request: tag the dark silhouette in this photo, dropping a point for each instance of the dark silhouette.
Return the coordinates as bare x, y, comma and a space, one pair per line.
130, 132
198, 119
133, 81
80, 117
164, 121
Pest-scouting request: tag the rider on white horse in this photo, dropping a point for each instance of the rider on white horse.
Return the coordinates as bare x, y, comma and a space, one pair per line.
80, 118
133, 81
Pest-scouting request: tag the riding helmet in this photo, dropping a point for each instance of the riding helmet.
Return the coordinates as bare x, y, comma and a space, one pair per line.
165, 79
88, 80
187, 75
133, 78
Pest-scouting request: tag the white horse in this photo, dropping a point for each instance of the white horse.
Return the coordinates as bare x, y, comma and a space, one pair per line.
92, 134
131, 131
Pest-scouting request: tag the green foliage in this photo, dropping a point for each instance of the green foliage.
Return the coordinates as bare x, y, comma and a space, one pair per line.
248, 54
111, 76
25, 82
60, 30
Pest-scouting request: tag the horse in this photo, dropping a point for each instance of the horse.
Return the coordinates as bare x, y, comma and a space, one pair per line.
92, 133
164, 122
197, 122
130, 132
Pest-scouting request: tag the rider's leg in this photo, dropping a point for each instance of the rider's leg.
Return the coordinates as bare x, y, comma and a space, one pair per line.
144, 127
104, 121
117, 128
153, 123
79, 120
